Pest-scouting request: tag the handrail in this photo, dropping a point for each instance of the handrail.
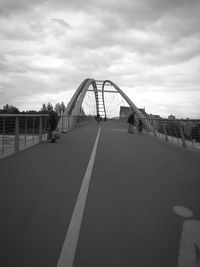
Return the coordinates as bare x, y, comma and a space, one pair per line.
68, 122
23, 115
185, 132
20, 131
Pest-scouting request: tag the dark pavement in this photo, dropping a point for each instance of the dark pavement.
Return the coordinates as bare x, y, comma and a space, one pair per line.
128, 218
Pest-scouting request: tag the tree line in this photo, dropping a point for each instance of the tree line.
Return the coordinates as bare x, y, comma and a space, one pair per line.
59, 108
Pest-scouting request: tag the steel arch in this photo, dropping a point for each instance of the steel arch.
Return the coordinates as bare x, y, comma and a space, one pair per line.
74, 106
131, 104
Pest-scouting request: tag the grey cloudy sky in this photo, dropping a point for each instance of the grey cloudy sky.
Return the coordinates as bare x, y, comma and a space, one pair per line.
149, 48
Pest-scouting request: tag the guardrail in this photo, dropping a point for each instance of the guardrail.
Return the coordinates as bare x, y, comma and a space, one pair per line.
20, 131
184, 132
68, 122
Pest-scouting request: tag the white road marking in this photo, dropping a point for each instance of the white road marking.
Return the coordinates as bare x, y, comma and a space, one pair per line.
69, 247
183, 211
189, 244
190, 239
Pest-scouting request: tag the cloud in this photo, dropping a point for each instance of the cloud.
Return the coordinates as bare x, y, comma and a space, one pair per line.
146, 47
62, 22
4, 13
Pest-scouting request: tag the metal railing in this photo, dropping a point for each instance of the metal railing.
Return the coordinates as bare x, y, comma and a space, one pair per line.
68, 122
20, 131
184, 132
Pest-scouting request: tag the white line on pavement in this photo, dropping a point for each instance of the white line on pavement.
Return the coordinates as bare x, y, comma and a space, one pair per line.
190, 239
189, 244
69, 247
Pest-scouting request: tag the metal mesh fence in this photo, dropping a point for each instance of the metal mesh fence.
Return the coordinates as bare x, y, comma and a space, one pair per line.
18, 132
183, 132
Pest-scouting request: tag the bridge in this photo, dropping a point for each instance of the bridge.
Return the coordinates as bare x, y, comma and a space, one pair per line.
99, 196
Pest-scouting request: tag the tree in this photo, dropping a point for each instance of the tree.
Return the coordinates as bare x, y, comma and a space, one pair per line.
47, 108
44, 108
60, 108
10, 109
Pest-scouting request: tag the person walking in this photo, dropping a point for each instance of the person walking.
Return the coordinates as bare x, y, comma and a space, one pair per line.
53, 121
131, 122
140, 126
98, 118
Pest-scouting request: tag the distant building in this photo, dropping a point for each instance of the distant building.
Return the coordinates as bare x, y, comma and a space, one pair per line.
153, 116
142, 110
124, 112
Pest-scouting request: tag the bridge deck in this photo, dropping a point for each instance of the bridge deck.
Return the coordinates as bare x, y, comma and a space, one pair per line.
128, 218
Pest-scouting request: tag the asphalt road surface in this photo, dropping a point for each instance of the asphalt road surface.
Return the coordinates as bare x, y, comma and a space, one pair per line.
127, 211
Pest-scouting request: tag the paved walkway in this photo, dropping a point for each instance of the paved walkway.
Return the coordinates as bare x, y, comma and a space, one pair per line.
128, 218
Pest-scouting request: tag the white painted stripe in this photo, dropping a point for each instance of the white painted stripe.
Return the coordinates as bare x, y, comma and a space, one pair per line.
69, 247
183, 211
189, 244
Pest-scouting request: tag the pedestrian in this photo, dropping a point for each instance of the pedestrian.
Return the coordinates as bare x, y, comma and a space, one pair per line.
131, 122
98, 118
53, 121
140, 126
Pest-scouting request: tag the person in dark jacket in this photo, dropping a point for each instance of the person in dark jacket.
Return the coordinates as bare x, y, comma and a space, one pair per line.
131, 122
98, 118
140, 126
53, 121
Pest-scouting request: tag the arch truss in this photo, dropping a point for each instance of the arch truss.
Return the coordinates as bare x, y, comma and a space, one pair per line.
99, 88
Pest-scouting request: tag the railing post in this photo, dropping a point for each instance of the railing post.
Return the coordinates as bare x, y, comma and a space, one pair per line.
147, 125
16, 134
33, 130
176, 133
165, 132
3, 135
182, 135
68, 123
154, 122
45, 128
25, 131
62, 121
40, 130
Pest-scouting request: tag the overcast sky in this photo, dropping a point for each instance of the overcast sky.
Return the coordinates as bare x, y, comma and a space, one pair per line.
149, 48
